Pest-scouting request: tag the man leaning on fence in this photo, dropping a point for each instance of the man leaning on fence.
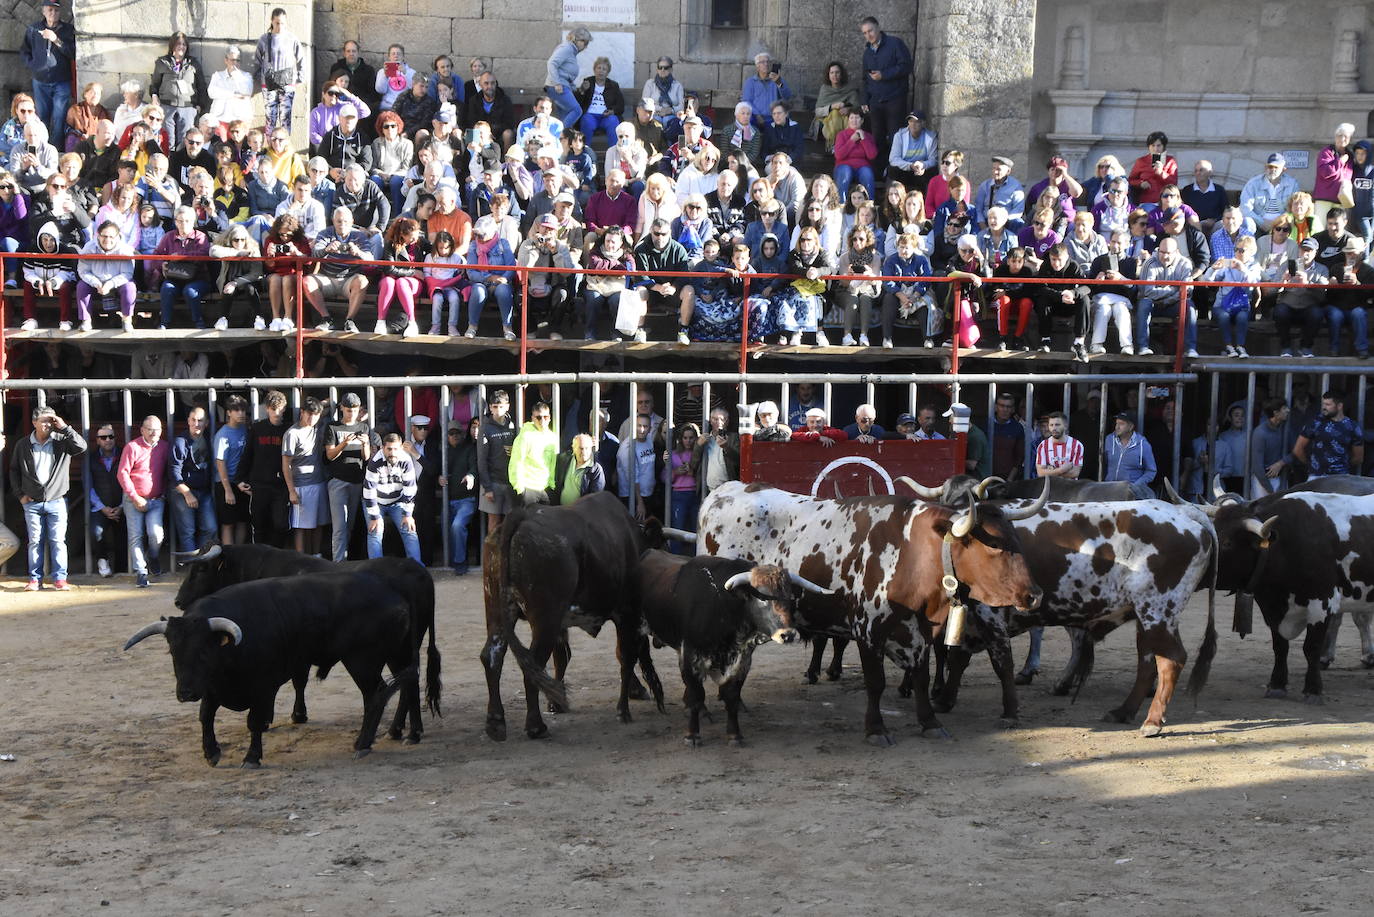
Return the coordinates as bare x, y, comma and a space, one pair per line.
389, 488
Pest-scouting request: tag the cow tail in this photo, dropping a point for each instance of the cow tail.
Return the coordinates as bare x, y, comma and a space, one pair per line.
434, 685
552, 688
1197, 678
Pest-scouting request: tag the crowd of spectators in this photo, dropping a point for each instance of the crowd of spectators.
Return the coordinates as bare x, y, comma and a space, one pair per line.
435, 175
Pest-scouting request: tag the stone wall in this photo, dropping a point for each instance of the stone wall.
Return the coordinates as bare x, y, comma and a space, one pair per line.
15, 17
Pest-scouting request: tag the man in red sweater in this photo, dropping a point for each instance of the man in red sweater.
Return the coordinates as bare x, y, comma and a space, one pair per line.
142, 475
816, 430
613, 207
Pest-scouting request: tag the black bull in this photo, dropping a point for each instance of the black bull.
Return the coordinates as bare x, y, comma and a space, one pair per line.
216, 566
237, 647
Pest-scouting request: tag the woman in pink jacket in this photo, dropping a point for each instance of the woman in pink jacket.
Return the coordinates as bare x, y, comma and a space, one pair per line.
1334, 172
855, 150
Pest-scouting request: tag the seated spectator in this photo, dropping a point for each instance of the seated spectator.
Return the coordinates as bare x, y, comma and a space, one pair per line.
855, 150
548, 295
804, 303
284, 241
998, 238
1058, 180
308, 211
1153, 171
239, 278
902, 297
32, 158
864, 429
1012, 298
601, 99
1166, 264
325, 116
859, 298
1037, 238
286, 162
1350, 306
834, 101
743, 134
111, 281
1331, 241
443, 84
370, 208
1061, 299
629, 156
405, 245
1113, 212
937, 191
765, 86
789, 188
658, 202
122, 210
1233, 303
343, 146
1084, 244
489, 251
1264, 199
667, 95
782, 134
768, 429
1141, 241
322, 187
913, 153
181, 278
540, 123
715, 310
1170, 202
128, 112
1001, 190
99, 155
491, 104
956, 203
609, 254
817, 431
341, 249
83, 116
157, 139
395, 77
1108, 169
1113, 302
692, 230
1205, 197
1304, 304
725, 209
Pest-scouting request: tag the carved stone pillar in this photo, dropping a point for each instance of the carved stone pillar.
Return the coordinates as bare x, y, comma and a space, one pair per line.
1073, 71
1345, 73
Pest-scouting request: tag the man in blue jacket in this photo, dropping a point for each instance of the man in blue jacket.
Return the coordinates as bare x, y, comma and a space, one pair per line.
887, 69
48, 51
1130, 458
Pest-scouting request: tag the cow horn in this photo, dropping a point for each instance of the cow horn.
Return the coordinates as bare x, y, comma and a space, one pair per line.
680, 535
964, 522
736, 581
922, 491
1262, 530
196, 557
1208, 508
804, 583
1260, 488
838, 495
981, 490
1218, 491
225, 626
157, 627
1171, 493
1039, 504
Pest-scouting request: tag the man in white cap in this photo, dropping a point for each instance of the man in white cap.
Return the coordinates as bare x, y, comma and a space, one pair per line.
344, 145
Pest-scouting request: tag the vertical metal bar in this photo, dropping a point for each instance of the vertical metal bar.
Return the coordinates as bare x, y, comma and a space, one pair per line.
1211, 437
254, 404
595, 417
372, 407
556, 408
1249, 432
128, 413
403, 422
442, 422
785, 404
1288, 400
1182, 325
1140, 408
524, 322
992, 408
169, 528
1102, 434
828, 404
85, 500
869, 393
1028, 456
954, 336
1178, 436
1068, 399
1359, 417
705, 406
300, 318
744, 329
670, 413
1326, 385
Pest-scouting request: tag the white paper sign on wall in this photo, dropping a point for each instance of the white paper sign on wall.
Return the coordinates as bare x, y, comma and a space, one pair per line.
616, 12
619, 47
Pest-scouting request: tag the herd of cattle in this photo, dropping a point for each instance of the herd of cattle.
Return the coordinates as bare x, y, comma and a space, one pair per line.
947, 571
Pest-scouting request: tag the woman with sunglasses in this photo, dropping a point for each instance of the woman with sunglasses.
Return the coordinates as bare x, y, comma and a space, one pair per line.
14, 224
805, 300
668, 96
158, 138
21, 110
325, 116
393, 154
110, 281
239, 280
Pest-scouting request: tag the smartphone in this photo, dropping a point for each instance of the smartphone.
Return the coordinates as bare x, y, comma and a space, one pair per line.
1292, 266
470, 136
1155, 157
33, 150
776, 68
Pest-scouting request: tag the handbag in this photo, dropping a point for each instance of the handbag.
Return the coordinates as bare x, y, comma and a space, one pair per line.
180, 271
1346, 195
280, 79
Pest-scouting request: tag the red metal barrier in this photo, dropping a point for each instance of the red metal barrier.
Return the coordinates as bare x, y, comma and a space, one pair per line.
849, 469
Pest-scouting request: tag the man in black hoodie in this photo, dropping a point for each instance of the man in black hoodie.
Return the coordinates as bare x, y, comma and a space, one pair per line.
1061, 299
259, 474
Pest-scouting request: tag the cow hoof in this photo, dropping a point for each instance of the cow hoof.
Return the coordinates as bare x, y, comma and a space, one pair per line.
1315, 700
1008, 722
557, 708
1325, 663
940, 705
394, 734
935, 732
299, 718
212, 760
1116, 716
412, 739
1150, 730
811, 678
833, 674
880, 740
1276, 693
1025, 678
539, 732
692, 742
250, 765
1062, 689
904, 691
637, 691
624, 716
496, 732
736, 741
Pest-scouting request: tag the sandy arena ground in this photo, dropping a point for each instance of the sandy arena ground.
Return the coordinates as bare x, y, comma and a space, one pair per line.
1245, 806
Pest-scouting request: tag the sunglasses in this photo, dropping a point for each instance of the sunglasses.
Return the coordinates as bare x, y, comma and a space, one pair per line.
6, 187
154, 118
105, 436
57, 187
388, 127
946, 162
1041, 225
661, 67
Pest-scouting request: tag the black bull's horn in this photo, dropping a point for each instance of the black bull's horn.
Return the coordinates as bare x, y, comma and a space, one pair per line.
217, 625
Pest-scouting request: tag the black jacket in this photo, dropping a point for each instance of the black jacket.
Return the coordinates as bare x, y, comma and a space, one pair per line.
1127, 267
462, 461
610, 94
593, 477
500, 117
341, 152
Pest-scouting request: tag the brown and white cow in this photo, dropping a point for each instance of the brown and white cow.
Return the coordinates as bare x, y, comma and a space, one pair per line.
882, 556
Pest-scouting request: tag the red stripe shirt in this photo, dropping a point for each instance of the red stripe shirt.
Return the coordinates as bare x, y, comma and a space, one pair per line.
1058, 454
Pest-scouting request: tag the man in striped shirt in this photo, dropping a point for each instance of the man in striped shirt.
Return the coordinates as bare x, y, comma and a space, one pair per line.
389, 487
1059, 455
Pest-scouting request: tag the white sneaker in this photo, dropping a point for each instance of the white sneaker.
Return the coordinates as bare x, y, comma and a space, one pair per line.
887, 343
1096, 349
260, 325
683, 338
1242, 353
85, 324
1145, 351
863, 341
103, 566
1228, 351
288, 325
1190, 353
30, 324
1127, 351
847, 340
350, 326
641, 336
411, 330
380, 328
128, 325
222, 324
325, 325
471, 332
821, 339
64, 326
796, 339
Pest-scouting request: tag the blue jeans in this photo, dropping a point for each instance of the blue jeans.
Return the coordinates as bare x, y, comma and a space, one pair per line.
139, 521
193, 290
594, 302
460, 513
565, 107
478, 295
410, 539
1336, 316
1232, 325
277, 104
51, 101
684, 516
606, 121
391, 184
1145, 307
195, 527
179, 121
46, 522
9, 244
845, 176
344, 501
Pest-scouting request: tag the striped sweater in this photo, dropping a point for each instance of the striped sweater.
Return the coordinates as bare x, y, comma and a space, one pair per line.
387, 484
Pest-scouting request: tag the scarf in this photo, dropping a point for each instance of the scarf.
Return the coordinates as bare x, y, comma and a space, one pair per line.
664, 85
484, 249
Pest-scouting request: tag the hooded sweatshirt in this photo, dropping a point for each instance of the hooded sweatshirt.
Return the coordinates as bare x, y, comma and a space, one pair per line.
37, 268
98, 271
532, 458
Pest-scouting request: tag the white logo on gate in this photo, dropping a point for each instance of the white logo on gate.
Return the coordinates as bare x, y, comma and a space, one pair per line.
853, 460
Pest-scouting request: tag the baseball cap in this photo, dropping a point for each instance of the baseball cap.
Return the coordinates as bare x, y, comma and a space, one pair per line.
917, 114
348, 110
548, 219
351, 400
905, 418
1129, 418
1276, 159
445, 115
1311, 243
691, 119
565, 197
515, 152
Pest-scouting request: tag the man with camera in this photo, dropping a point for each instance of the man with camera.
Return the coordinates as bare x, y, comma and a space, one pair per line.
1304, 304
765, 87
340, 249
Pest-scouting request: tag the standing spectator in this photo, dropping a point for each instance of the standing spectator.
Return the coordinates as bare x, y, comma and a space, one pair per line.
1265, 197
1008, 436
259, 473
279, 67
1335, 173
461, 482
426, 457
48, 51
178, 85
562, 74
349, 445
231, 506
636, 462
887, 70
1130, 458
533, 456
302, 470
107, 513
362, 76
1270, 457
231, 92
142, 476
765, 87
1332, 443
577, 472
193, 506
389, 487
1059, 454
680, 472
40, 469
719, 453
493, 460
1152, 172
1350, 305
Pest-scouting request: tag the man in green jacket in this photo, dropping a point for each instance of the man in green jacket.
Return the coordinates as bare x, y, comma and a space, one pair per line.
532, 457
